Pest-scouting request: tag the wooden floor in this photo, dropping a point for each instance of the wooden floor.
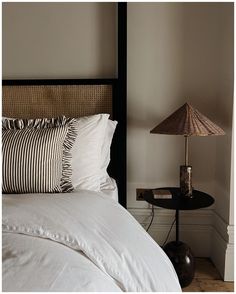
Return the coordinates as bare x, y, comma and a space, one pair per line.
207, 279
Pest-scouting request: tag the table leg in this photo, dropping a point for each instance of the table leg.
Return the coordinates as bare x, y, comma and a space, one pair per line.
181, 257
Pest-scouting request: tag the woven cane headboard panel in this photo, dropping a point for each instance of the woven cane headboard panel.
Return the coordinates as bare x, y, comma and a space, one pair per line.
31, 101
78, 97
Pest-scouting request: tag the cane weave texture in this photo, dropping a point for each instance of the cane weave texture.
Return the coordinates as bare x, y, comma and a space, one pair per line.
187, 121
40, 101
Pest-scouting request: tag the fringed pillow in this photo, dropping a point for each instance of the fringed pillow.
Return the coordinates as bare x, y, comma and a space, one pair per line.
36, 155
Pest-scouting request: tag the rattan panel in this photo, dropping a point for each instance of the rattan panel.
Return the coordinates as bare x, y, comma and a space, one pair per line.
53, 100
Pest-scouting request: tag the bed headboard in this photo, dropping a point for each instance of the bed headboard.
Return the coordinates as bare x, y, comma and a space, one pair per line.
50, 98
74, 98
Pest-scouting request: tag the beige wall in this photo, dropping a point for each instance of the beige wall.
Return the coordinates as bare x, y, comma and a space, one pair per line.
180, 52
59, 40
177, 52
224, 110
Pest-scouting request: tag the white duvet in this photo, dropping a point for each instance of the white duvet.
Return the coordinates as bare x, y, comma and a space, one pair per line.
82, 241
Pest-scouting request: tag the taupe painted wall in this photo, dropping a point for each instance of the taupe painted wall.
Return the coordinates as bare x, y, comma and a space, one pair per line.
224, 112
179, 52
59, 40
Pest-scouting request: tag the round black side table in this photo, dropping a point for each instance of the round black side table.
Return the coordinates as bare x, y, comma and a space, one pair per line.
180, 253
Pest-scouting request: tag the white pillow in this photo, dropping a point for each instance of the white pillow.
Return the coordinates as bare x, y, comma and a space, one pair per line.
86, 152
105, 159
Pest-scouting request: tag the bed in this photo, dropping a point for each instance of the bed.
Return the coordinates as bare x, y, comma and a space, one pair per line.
84, 240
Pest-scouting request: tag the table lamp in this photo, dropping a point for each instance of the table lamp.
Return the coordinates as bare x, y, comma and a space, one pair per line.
187, 121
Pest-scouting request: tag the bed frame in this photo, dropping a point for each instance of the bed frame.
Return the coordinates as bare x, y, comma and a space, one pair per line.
73, 98
50, 97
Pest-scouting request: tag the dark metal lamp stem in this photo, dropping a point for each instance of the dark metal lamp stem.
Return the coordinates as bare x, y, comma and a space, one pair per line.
186, 150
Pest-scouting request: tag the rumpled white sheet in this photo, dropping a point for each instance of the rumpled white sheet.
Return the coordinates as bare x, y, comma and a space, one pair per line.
117, 253
109, 187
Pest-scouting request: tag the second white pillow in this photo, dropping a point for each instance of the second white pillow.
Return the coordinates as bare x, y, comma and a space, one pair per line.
86, 152
106, 147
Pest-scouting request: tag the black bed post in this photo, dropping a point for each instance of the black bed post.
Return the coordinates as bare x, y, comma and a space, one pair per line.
120, 105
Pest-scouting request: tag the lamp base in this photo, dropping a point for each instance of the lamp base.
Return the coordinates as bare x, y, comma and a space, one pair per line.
186, 181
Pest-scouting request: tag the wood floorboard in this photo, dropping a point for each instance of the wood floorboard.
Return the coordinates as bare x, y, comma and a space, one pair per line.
207, 279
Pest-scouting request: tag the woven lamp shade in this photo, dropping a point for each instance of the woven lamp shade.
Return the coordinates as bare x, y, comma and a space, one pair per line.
187, 121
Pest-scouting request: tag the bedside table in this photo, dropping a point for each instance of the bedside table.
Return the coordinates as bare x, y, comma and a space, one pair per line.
180, 253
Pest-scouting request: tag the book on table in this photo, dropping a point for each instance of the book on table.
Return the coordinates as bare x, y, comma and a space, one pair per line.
161, 194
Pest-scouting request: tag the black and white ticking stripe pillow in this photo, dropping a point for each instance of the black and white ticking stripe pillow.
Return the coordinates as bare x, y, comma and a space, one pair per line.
36, 155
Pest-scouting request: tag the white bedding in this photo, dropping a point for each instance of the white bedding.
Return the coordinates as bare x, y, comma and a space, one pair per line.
109, 187
82, 241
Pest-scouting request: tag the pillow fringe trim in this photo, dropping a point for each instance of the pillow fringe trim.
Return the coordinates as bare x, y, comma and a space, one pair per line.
37, 123
66, 183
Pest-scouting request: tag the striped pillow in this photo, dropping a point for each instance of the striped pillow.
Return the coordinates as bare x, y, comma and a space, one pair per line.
36, 155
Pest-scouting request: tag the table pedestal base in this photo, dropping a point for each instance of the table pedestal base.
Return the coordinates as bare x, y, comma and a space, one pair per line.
183, 261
